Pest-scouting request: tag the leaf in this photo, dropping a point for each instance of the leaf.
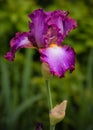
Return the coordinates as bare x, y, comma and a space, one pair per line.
5, 83
26, 73
23, 107
90, 70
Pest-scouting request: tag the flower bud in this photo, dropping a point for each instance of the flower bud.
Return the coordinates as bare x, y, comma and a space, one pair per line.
58, 113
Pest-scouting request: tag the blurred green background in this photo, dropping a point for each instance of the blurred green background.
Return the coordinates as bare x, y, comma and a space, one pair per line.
23, 97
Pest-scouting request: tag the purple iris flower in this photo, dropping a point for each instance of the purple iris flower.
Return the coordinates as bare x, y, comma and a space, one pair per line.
47, 31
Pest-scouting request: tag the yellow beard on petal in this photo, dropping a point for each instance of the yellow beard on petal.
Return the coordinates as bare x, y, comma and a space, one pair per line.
53, 45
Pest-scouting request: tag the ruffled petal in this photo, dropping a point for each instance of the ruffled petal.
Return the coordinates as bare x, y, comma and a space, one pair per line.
19, 41
53, 35
60, 59
62, 22
56, 19
69, 24
38, 28
49, 27
41, 33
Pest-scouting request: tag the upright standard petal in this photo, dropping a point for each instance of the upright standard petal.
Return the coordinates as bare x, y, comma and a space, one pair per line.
69, 24
63, 23
19, 41
56, 19
38, 28
60, 59
49, 27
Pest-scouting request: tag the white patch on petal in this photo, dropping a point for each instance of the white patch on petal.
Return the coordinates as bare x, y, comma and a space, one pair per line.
60, 59
24, 41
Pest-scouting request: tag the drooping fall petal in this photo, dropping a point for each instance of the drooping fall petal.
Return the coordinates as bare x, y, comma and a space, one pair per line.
19, 41
60, 59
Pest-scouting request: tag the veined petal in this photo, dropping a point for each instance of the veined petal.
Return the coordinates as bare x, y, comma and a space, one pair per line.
60, 59
19, 41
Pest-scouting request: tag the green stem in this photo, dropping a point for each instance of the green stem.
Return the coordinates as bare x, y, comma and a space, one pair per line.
52, 127
49, 100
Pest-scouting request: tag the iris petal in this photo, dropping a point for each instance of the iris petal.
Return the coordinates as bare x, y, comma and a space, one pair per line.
60, 59
69, 24
56, 19
38, 27
19, 41
62, 22
49, 27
